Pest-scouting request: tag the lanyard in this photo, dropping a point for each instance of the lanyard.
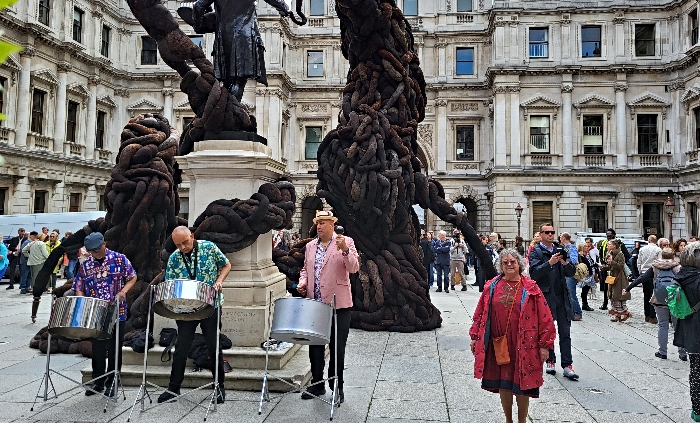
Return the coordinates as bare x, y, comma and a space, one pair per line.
187, 262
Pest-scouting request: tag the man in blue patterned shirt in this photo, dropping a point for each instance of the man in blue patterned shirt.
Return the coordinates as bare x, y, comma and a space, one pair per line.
106, 275
202, 261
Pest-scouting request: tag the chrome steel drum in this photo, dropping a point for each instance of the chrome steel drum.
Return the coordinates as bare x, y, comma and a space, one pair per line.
81, 318
302, 321
184, 299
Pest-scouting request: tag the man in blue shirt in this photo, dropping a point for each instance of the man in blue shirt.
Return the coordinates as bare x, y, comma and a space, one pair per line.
202, 261
572, 251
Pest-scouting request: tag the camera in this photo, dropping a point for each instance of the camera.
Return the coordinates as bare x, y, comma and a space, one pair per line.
562, 251
457, 240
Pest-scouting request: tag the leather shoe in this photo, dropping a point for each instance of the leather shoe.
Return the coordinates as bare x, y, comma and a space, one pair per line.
221, 397
168, 396
317, 391
661, 356
439, 290
586, 308
10, 287
603, 307
94, 389
578, 318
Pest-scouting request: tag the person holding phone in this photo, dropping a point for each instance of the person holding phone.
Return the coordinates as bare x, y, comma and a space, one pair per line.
329, 260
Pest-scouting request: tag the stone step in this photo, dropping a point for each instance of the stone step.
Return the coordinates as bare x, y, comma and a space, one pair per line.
296, 371
249, 358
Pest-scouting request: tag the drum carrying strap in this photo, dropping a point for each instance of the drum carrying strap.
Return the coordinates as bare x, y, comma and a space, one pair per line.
186, 260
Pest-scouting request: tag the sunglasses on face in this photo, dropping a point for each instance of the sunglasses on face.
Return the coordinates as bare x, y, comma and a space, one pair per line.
549, 232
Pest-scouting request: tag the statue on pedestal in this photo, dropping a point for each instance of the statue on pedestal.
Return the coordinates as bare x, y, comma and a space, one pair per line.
238, 53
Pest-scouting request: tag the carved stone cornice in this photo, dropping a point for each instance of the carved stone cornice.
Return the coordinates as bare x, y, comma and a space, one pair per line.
94, 80
64, 66
97, 14
676, 86
27, 51
168, 92
121, 92
565, 19
621, 86
440, 103
465, 107
314, 108
619, 18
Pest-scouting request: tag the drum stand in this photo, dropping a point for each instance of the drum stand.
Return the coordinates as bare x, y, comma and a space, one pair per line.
46, 380
143, 389
265, 392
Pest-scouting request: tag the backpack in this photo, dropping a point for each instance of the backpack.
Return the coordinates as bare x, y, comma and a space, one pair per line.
678, 303
581, 272
663, 280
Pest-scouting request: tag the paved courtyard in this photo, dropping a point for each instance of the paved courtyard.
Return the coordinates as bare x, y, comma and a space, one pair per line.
390, 377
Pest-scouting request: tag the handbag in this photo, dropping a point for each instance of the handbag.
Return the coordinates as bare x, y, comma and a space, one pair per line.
610, 280
500, 343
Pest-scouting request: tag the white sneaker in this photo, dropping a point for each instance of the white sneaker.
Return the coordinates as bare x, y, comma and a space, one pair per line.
551, 368
569, 373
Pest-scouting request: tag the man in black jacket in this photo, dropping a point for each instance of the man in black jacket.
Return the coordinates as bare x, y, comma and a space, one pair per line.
549, 265
428, 255
13, 253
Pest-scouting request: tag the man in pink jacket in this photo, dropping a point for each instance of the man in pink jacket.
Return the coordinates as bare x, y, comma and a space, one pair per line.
330, 258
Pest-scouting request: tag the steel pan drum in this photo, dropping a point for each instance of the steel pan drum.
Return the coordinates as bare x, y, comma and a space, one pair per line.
184, 299
82, 318
302, 321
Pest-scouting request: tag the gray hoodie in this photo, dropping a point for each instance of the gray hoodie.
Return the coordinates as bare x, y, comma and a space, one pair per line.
458, 252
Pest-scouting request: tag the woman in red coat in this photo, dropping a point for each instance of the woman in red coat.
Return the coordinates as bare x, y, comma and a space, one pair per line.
512, 311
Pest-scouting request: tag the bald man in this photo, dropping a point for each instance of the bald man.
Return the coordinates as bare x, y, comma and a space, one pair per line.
204, 262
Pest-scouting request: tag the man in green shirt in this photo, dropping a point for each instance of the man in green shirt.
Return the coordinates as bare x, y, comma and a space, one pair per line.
204, 262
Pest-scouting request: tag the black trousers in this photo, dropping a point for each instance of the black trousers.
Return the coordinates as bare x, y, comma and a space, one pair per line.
11, 270
185, 335
103, 350
649, 310
317, 352
604, 287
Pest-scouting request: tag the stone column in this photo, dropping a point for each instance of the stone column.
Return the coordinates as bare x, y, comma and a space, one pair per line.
168, 94
441, 120
274, 123
567, 88
499, 125
514, 125
96, 32
90, 126
59, 129
254, 277
442, 60
119, 120
621, 123
24, 101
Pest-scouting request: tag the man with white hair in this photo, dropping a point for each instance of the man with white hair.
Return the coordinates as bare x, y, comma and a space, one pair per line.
645, 259
441, 248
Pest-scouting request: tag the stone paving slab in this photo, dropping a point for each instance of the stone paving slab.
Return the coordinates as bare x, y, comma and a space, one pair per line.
390, 377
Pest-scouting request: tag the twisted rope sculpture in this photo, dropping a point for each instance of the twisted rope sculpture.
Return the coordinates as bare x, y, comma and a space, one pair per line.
370, 174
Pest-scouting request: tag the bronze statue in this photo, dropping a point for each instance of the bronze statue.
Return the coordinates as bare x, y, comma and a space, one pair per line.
238, 53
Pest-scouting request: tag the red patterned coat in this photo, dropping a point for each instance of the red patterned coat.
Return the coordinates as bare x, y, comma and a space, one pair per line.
535, 330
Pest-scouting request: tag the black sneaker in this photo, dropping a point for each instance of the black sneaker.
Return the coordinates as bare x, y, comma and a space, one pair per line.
464, 288
661, 356
341, 397
439, 290
168, 396
94, 389
317, 390
22, 291
10, 287
586, 308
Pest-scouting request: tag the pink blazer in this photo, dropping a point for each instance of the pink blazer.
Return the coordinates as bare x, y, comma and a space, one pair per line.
335, 273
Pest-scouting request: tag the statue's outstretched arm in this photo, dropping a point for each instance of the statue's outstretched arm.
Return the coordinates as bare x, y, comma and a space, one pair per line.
280, 5
199, 9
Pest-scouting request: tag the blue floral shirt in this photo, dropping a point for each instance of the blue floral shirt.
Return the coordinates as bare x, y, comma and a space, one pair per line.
209, 260
105, 280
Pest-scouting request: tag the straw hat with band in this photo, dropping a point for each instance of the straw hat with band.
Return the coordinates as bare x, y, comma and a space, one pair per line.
325, 215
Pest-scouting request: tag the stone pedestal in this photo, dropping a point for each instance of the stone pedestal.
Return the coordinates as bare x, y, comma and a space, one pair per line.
235, 169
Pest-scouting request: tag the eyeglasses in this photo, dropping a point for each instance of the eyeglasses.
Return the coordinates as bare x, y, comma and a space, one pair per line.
549, 232
509, 263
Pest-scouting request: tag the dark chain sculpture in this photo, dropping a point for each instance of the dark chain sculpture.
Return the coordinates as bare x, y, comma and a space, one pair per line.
370, 174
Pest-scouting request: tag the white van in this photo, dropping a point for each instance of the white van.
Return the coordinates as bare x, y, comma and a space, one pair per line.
71, 221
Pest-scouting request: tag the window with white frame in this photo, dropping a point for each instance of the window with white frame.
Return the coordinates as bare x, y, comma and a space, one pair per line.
465, 142
539, 42
590, 41
464, 6
465, 61
410, 7
645, 39
314, 135
539, 134
592, 134
314, 63
38, 111
72, 122
78, 25
693, 26
317, 8
647, 134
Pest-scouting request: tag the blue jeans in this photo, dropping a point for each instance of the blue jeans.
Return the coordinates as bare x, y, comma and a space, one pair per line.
443, 274
575, 306
25, 280
68, 272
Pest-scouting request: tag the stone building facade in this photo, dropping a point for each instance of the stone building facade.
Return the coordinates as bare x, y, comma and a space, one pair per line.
588, 117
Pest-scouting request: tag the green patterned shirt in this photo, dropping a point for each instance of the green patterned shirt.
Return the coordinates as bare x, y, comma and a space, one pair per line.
209, 260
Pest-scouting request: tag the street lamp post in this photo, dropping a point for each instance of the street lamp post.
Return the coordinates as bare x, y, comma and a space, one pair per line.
668, 208
518, 214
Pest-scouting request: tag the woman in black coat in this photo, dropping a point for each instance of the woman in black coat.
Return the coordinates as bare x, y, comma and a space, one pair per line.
428, 256
687, 333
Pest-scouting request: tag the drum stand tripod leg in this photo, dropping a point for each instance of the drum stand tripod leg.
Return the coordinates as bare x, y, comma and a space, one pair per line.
116, 374
46, 380
217, 388
143, 389
335, 359
264, 393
